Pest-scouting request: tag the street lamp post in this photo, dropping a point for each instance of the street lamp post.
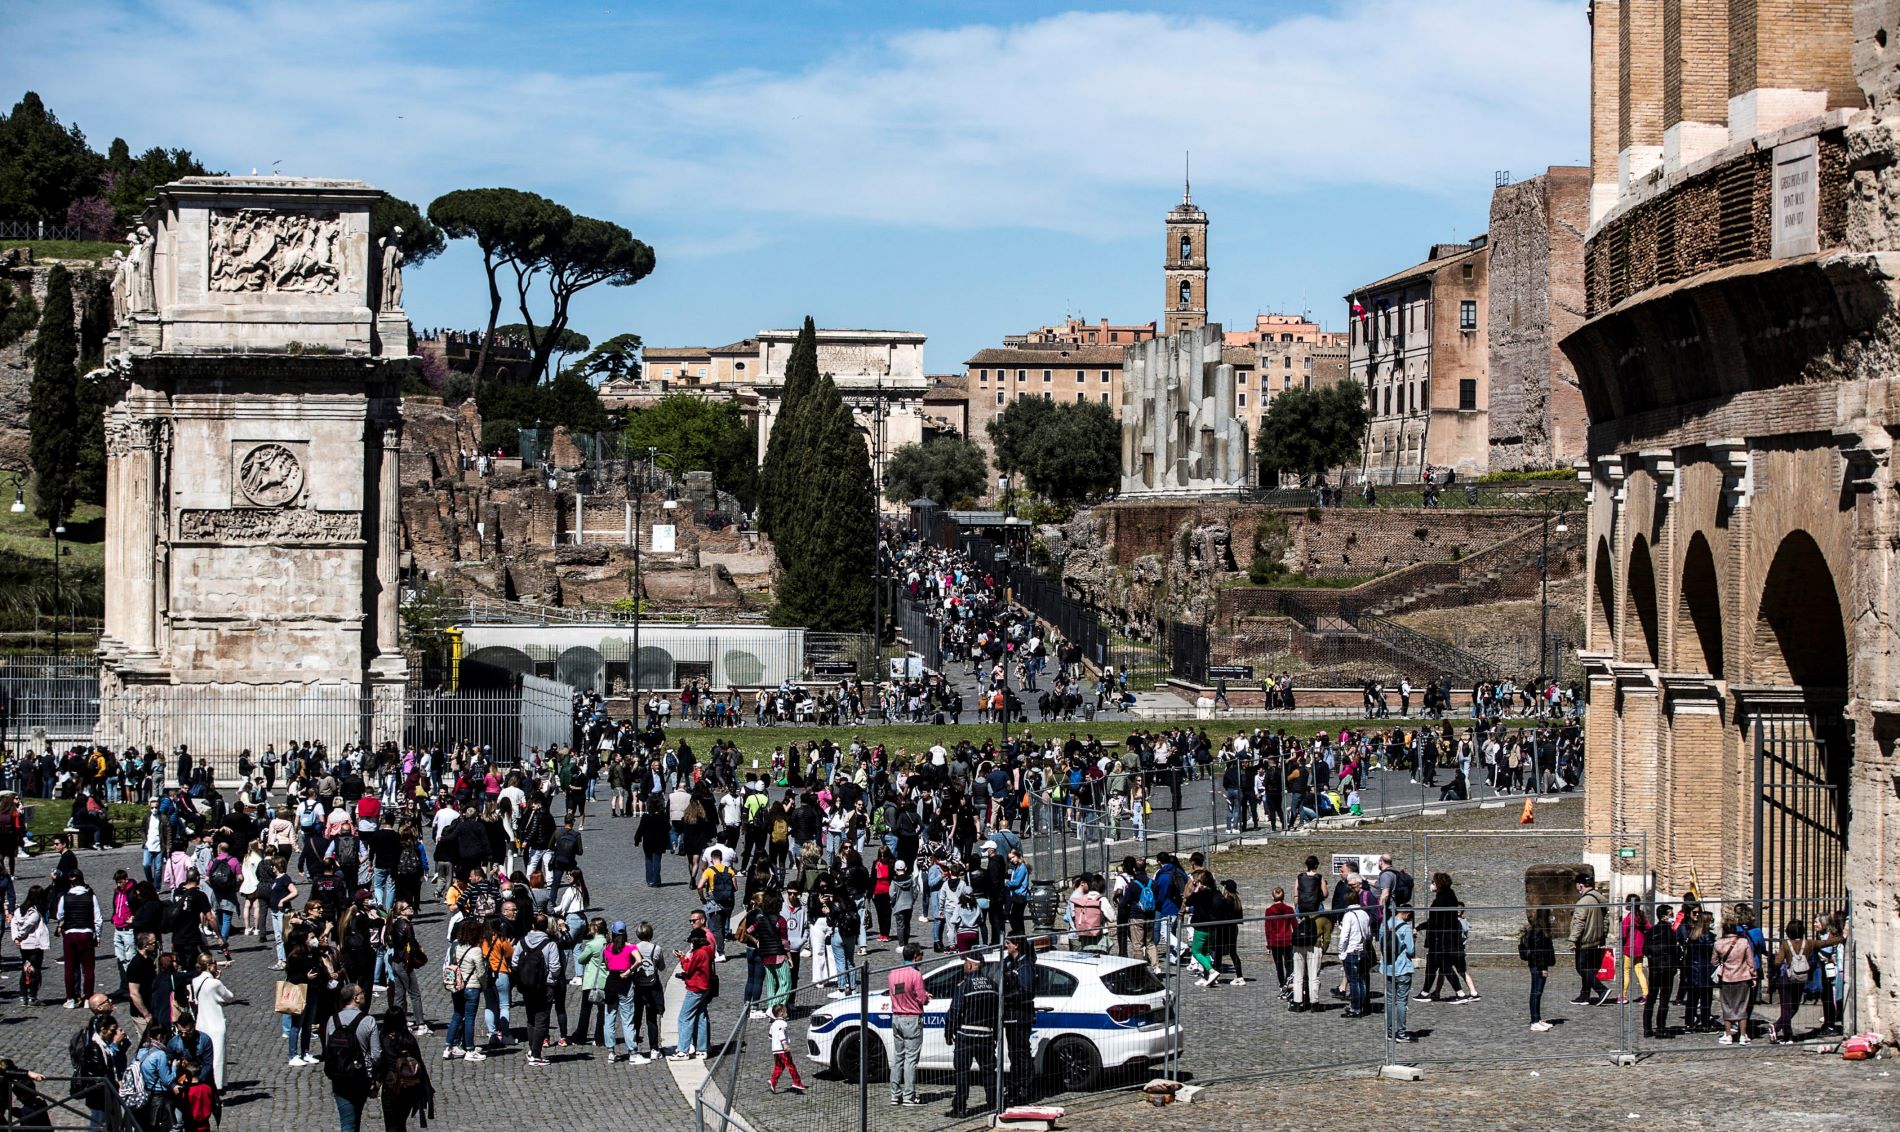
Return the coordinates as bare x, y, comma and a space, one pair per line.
59, 532
639, 588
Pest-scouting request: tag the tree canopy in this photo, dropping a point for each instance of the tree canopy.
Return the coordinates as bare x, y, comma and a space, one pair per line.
130, 180
54, 433
44, 166
1307, 431
783, 445
618, 357
828, 552
947, 469
421, 240
1011, 430
542, 245
695, 434
1065, 451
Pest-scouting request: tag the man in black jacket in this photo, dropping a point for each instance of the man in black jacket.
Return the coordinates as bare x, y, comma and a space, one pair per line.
1019, 1016
970, 1026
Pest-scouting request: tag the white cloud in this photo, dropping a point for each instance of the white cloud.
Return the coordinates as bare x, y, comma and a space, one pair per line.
1036, 125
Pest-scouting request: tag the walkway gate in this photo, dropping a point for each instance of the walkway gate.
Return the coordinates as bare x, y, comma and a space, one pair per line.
1801, 815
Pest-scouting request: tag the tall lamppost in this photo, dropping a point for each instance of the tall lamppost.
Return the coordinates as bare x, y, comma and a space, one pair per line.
639, 488
59, 532
1544, 650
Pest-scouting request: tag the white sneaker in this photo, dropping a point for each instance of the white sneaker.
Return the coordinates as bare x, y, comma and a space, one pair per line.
1238, 982
837, 994
639, 1059
475, 1055
1725, 1040
1540, 1027
681, 1056
448, 1052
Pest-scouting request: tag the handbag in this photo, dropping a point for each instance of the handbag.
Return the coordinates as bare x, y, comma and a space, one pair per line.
1606, 969
291, 997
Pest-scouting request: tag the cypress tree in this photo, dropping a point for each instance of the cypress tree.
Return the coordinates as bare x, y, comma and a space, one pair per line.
782, 453
826, 584
53, 409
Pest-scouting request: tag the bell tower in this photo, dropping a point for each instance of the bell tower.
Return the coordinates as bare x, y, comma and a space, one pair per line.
1184, 290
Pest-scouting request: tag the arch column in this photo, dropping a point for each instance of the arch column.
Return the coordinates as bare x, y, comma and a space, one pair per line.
1639, 751
1603, 764
1691, 850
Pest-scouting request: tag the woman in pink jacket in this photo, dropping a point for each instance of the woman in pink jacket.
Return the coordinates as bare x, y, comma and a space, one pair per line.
1634, 925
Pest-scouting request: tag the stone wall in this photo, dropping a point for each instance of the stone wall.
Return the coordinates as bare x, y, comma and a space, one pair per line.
1145, 562
506, 536
1535, 298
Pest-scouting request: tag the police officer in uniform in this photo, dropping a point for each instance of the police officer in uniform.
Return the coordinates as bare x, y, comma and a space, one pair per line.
970, 1025
1019, 1015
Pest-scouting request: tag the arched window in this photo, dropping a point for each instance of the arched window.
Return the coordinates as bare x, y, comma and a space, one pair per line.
1185, 292
1187, 248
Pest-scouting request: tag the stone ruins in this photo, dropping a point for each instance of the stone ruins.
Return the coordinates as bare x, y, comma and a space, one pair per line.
252, 518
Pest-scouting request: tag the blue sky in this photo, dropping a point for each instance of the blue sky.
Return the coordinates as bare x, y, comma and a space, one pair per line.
965, 170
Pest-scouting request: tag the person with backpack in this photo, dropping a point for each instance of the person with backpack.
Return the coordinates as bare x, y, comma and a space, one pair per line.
649, 995
224, 877
564, 853
1169, 884
718, 888
537, 972
1134, 912
98, 1055
352, 1053
403, 1076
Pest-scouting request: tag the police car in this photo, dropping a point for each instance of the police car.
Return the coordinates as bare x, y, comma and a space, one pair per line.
1093, 1012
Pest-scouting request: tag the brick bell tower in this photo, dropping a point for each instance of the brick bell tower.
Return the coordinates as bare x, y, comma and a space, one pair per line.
1184, 292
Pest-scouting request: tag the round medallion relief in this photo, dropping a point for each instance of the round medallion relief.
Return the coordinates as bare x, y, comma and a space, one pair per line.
270, 475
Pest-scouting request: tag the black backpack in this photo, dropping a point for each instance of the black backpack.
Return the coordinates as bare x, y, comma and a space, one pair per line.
531, 969
347, 851
723, 893
409, 861
1401, 888
564, 845
224, 878
343, 1057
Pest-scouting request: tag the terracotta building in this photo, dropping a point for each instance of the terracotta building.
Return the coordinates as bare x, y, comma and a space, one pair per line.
1079, 332
1417, 346
1737, 365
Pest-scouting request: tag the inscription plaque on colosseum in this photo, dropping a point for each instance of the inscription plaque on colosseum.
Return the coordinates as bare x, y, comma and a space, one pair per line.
244, 526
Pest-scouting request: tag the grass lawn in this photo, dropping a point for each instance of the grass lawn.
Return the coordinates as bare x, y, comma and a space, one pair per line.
50, 814
25, 533
65, 249
757, 742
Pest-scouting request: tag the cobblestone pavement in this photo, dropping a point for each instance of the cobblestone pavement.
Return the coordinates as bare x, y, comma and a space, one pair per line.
1713, 1095
1231, 1032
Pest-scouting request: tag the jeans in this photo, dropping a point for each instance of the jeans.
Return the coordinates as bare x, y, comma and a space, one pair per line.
495, 995
1589, 959
224, 926
383, 885
1395, 999
1538, 976
538, 862
1356, 989
461, 1033
153, 862
694, 1025
1233, 809
907, 1031
277, 933
1656, 1006
847, 974
349, 1109
653, 869
620, 1022
294, 1040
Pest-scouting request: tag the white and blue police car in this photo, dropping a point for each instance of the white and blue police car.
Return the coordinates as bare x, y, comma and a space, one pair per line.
1093, 1012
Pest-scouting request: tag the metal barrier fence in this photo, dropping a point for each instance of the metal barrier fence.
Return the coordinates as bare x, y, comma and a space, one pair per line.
917, 624
1226, 999
59, 701
57, 695
1076, 621
60, 1104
